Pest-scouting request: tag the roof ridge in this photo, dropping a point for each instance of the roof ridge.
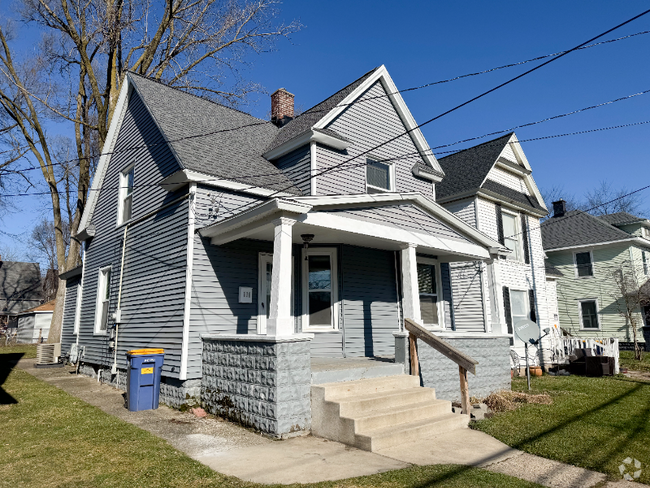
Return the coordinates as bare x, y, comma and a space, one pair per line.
478, 145
194, 95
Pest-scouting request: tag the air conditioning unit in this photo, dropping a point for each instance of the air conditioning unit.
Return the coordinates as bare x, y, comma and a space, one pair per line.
48, 353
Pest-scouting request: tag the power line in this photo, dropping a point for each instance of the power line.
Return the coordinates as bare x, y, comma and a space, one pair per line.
467, 102
367, 99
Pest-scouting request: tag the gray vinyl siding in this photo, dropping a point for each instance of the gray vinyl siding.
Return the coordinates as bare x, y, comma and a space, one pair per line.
467, 298
156, 252
369, 301
297, 166
405, 217
464, 209
68, 336
216, 204
367, 125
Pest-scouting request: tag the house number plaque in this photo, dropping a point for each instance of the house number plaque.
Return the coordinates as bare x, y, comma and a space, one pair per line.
245, 294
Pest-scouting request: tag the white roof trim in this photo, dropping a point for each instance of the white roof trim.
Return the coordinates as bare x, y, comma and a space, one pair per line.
429, 206
105, 158
306, 138
381, 74
631, 240
185, 176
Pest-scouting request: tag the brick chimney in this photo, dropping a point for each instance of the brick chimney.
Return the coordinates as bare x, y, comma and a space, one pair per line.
281, 107
559, 208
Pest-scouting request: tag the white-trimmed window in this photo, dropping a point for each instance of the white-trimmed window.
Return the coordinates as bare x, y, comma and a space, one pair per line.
77, 308
430, 291
584, 262
519, 307
319, 289
125, 204
588, 310
103, 299
512, 235
380, 177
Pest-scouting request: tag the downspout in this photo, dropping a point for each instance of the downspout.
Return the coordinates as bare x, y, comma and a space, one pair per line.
118, 312
189, 264
80, 299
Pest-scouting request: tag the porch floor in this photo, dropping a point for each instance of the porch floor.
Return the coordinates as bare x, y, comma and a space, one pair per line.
334, 370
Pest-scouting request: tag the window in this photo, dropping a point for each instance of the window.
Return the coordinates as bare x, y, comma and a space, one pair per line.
589, 314
429, 293
319, 289
519, 307
379, 176
125, 206
511, 235
645, 263
103, 299
584, 264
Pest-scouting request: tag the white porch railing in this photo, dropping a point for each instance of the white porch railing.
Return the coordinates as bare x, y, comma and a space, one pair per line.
602, 347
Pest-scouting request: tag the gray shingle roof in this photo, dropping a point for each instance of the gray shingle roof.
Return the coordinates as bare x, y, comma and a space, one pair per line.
513, 195
578, 228
309, 118
20, 286
466, 169
621, 218
229, 152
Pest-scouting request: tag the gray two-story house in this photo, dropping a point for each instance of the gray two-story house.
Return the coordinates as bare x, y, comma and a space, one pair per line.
321, 228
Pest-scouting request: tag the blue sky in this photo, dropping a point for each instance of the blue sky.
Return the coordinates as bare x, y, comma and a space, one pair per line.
421, 42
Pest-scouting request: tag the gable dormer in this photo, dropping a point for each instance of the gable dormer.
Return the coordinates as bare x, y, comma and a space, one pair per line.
344, 144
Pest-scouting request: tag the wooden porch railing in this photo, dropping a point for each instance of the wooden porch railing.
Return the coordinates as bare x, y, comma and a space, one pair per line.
465, 363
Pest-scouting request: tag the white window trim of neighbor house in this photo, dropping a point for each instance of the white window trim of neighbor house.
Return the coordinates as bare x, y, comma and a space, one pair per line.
123, 193
320, 251
582, 325
439, 295
103, 288
517, 253
391, 176
575, 264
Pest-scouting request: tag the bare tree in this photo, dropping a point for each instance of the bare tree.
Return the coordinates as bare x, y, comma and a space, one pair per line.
75, 77
605, 200
44, 241
628, 295
557, 192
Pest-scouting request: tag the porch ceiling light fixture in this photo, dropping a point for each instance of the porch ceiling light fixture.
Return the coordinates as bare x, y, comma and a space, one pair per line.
306, 239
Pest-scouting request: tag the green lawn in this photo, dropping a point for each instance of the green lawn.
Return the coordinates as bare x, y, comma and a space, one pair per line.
28, 350
594, 423
627, 361
51, 439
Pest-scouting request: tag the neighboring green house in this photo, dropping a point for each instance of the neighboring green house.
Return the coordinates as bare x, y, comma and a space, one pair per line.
589, 251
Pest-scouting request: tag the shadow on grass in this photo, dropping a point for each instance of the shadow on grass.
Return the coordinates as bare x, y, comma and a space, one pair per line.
637, 431
7, 364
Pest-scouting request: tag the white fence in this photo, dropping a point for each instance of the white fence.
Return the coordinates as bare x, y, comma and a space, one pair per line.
601, 347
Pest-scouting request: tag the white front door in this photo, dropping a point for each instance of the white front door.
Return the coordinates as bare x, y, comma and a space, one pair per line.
264, 290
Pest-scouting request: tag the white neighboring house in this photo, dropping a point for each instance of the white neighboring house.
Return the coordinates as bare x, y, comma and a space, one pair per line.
491, 187
33, 323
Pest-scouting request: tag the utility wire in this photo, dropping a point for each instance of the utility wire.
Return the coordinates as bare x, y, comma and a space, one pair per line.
367, 99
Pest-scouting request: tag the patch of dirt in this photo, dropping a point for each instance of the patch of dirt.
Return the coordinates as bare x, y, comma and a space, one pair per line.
505, 401
638, 375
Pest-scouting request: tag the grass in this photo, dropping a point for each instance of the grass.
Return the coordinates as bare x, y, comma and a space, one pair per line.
594, 423
627, 361
51, 439
29, 350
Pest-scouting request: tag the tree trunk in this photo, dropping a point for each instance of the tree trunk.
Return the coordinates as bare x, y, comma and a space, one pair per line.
57, 317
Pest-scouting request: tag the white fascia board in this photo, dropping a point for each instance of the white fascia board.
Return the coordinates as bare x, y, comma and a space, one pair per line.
381, 74
306, 138
260, 212
433, 208
530, 182
105, 158
633, 240
389, 233
185, 176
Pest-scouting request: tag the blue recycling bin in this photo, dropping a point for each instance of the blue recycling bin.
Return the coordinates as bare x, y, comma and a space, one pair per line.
143, 378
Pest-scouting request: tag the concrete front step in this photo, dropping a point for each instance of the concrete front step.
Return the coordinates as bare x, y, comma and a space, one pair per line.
378, 413
355, 373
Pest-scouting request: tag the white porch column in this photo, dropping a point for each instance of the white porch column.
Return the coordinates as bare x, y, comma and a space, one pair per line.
497, 318
280, 322
410, 288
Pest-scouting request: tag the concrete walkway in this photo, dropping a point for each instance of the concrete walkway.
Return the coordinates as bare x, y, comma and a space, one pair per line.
240, 452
